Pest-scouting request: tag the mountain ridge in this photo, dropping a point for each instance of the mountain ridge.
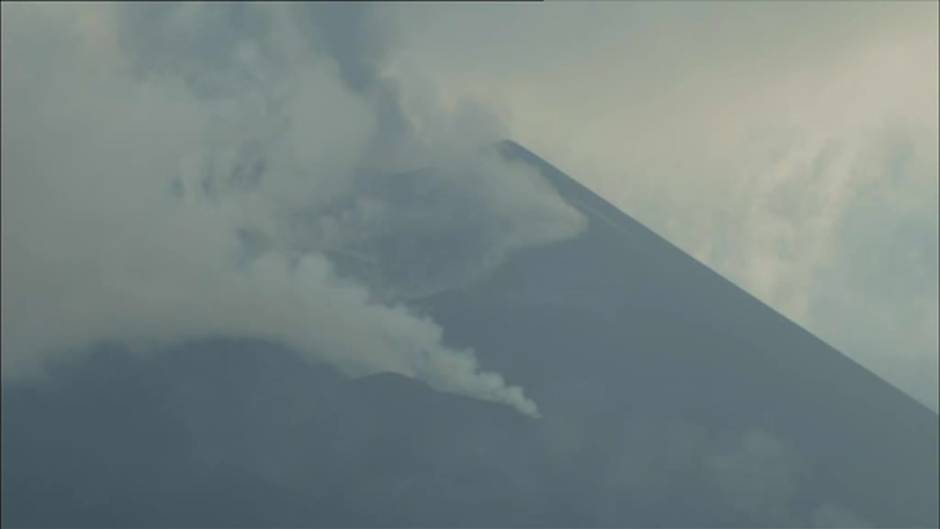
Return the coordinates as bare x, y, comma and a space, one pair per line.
667, 400
559, 179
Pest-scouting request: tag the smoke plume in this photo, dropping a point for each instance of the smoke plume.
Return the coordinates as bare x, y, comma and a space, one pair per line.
172, 172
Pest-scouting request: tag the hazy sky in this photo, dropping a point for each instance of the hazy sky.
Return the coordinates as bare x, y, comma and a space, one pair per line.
791, 146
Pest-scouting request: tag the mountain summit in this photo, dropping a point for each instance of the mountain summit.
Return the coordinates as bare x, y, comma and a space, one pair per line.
669, 398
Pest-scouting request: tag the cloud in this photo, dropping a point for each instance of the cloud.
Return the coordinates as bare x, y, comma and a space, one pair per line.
413, 235
800, 164
172, 172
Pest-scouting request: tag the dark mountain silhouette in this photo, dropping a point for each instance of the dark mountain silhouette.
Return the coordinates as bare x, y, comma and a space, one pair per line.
670, 398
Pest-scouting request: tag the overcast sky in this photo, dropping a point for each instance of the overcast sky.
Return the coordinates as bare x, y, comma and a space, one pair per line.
790, 146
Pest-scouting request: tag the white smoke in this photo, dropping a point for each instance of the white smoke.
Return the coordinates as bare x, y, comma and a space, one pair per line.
184, 191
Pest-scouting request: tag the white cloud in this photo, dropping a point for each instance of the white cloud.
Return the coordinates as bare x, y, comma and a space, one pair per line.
752, 135
133, 161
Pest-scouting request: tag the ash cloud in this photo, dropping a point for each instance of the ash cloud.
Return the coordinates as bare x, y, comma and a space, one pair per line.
172, 172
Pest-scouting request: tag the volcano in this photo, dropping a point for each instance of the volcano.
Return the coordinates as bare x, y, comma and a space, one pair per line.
669, 398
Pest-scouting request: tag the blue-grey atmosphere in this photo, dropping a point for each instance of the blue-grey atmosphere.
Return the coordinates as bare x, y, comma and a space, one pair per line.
639, 264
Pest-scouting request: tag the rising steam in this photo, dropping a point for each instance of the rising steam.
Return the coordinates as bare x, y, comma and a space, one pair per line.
172, 172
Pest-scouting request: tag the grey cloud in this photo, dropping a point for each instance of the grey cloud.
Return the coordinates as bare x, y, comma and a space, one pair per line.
358, 36
883, 271
417, 233
734, 136
199, 43
161, 206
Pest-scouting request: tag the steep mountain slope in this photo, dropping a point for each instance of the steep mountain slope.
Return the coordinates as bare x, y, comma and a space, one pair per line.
619, 323
669, 398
